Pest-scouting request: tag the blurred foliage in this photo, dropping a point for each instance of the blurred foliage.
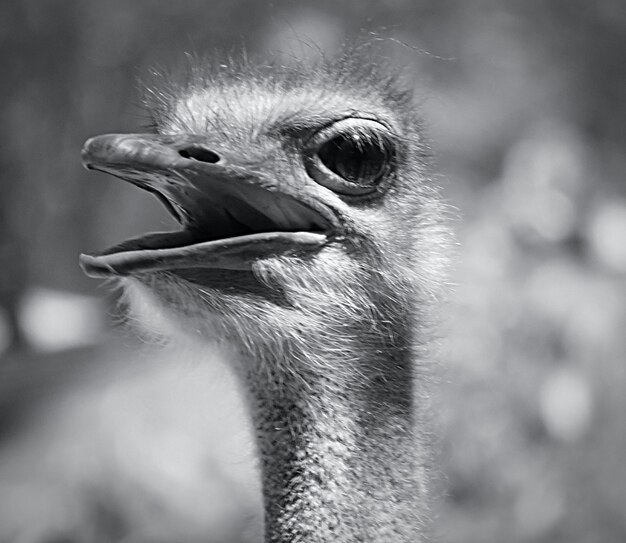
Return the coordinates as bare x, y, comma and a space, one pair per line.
535, 429
527, 113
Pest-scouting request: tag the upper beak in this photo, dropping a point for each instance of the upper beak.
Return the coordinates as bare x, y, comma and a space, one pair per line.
179, 170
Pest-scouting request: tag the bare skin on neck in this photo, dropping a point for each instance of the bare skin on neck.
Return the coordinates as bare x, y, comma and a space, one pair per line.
337, 468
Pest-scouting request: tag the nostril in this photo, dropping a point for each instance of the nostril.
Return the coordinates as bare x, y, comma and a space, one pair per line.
197, 152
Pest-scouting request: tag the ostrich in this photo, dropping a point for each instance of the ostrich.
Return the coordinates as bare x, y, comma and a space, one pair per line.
310, 246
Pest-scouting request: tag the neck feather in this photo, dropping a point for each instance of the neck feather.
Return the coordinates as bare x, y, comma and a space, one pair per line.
340, 457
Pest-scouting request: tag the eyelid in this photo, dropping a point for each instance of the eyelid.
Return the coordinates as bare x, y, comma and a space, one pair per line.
341, 126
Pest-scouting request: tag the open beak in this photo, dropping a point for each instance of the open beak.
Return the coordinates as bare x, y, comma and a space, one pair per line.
230, 216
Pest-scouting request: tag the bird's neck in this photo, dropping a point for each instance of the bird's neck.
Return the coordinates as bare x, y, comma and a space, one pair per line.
340, 458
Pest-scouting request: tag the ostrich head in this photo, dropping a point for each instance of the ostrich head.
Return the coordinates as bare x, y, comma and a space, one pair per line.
311, 242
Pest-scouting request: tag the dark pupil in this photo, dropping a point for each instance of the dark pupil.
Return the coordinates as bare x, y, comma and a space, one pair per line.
355, 158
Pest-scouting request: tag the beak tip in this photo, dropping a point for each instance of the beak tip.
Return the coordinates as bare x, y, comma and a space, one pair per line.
92, 268
87, 152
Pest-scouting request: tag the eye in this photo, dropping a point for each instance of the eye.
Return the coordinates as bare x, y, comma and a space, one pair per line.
351, 156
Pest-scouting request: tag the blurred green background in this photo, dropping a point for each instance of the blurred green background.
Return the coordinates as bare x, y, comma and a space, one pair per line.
105, 439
